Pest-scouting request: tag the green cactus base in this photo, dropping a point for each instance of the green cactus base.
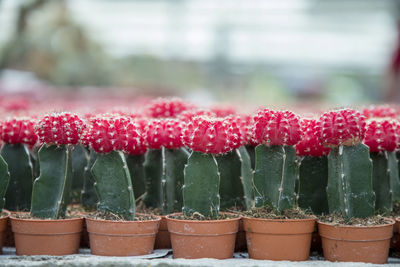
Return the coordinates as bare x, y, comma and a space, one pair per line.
79, 159
246, 177
89, 197
114, 185
275, 177
136, 170
4, 181
153, 169
51, 190
201, 185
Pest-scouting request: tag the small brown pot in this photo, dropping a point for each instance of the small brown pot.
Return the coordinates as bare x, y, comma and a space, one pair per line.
122, 238
279, 239
163, 239
194, 239
3, 228
356, 243
395, 242
46, 237
240, 244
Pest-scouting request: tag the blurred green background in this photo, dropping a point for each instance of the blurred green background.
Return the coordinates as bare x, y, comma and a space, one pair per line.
263, 52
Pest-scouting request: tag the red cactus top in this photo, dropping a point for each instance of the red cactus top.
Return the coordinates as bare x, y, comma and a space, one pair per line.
107, 134
60, 128
164, 133
167, 108
212, 135
381, 111
223, 110
341, 127
310, 144
276, 128
19, 131
188, 115
381, 135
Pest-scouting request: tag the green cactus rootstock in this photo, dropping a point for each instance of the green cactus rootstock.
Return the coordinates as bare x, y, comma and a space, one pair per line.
246, 177
201, 185
393, 168
4, 181
313, 179
349, 189
51, 190
114, 185
275, 177
79, 158
136, 170
153, 168
19, 192
89, 197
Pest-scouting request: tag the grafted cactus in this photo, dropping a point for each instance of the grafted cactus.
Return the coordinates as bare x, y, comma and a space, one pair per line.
276, 132
349, 190
313, 170
206, 137
18, 135
51, 190
110, 137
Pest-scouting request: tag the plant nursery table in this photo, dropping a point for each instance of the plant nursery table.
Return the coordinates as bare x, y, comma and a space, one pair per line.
160, 258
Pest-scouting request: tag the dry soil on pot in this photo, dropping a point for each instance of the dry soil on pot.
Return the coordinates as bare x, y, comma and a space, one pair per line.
270, 213
337, 219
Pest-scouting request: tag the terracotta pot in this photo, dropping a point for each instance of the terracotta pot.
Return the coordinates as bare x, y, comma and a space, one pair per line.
163, 239
356, 243
194, 239
122, 238
395, 242
241, 244
46, 237
276, 239
8, 234
3, 228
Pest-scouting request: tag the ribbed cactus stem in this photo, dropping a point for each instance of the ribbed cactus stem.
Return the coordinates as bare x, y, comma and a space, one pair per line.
19, 192
393, 167
51, 190
154, 171
136, 170
89, 196
313, 179
381, 182
4, 181
201, 185
114, 185
79, 158
349, 187
275, 177
246, 176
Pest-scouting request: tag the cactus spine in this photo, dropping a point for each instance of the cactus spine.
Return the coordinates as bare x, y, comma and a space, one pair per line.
114, 185
89, 197
350, 182
201, 185
51, 190
19, 192
4, 181
275, 177
313, 179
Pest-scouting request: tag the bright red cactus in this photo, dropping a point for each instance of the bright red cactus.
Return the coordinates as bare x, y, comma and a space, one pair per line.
276, 128
115, 133
341, 127
381, 135
19, 131
188, 115
164, 133
245, 123
60, 129
223, 110
382, 111
212, 135
310, 144
167, 108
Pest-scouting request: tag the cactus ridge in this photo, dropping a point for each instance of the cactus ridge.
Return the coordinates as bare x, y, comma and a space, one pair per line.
201, 185
89, 197
19, 192
4, 181
136, 170
381, 182
154, 172
51, 190
114, 185
275, 177
79, 158
246, 178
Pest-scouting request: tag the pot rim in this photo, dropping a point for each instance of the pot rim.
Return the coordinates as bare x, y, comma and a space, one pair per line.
156, 219
314, 218
41, 220
7, 212
360, 226
239, 217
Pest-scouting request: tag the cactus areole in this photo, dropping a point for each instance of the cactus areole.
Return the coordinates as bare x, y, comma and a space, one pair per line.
51, 190
349, 189
276, 132
109, 137
206, 137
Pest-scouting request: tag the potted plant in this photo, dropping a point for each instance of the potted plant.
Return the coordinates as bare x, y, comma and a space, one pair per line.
351, 232
116, 229
201, 231
276, 230
46, 231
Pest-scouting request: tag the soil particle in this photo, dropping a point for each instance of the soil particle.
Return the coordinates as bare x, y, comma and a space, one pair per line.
270, 213
199, 217
115, 217
337, 219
